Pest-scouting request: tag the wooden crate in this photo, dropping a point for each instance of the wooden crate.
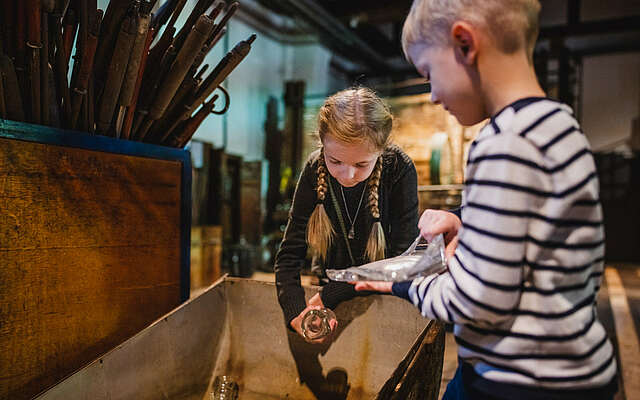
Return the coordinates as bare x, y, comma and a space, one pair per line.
206, 255
94, 246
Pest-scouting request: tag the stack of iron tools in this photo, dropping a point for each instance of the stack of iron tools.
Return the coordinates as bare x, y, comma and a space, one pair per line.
105, 88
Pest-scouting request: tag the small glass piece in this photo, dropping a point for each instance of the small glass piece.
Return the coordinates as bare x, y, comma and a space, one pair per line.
316, 323
224, 389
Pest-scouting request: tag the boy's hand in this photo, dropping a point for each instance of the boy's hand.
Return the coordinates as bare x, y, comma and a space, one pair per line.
373, 286
435, 222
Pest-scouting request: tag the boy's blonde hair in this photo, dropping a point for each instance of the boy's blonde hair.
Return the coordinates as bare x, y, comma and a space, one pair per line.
355, 115
513, 24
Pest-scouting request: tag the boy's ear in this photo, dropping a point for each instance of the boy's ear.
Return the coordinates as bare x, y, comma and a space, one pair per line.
464, 41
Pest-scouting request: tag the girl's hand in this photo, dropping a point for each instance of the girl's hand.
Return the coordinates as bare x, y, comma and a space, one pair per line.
315, 303
435, 222
373, 286
316, 300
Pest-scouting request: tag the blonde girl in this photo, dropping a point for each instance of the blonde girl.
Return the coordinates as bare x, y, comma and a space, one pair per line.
355, 202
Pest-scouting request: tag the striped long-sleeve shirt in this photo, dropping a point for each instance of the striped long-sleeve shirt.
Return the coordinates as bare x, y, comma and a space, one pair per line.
521, 287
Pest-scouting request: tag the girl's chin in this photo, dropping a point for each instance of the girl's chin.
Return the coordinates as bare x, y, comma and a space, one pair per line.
348, 184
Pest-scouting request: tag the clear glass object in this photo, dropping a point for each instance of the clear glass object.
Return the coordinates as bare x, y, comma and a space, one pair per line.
418, 260
316, 324
224, 389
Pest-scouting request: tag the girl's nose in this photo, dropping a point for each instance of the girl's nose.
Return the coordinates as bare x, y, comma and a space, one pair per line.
351, 172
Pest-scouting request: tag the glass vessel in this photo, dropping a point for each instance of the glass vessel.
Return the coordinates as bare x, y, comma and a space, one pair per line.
316, 323
224, 389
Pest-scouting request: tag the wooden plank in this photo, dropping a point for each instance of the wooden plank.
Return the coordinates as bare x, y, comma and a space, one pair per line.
418, 375
250, 201
628, 343
206, 256
90, 244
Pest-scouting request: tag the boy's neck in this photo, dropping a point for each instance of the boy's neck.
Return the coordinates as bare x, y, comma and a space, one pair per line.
506, 78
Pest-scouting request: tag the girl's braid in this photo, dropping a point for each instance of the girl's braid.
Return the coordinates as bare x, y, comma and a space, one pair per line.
374, 184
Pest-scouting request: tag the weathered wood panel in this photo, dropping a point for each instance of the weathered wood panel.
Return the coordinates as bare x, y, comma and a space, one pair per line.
206, 255
250, 201
90, 250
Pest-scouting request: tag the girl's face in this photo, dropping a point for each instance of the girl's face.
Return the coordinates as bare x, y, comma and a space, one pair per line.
349, 163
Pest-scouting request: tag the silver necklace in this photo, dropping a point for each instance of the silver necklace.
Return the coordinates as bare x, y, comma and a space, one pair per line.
352, 233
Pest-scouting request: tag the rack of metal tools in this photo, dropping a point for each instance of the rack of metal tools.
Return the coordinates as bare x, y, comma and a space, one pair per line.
133, 74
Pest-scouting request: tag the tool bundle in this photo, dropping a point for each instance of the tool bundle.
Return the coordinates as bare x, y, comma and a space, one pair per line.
109, 90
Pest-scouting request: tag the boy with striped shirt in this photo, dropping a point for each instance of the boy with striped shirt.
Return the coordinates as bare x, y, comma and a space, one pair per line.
529, 244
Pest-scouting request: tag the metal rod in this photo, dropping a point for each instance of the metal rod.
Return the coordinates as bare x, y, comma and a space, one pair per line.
8, 27
223, 22
81, 80
61, 71
34, 45
44, 65
131, 76
3, 107
128, 121
21, 48
14, 108
199, 9
115, 74
181, 65
69, 36
192, 124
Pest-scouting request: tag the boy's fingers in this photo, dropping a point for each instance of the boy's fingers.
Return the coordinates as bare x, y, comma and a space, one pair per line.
382, 287
451, 247
427, 233
358, 286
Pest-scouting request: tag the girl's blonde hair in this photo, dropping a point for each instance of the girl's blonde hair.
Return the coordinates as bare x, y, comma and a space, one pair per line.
355, 115
513, 24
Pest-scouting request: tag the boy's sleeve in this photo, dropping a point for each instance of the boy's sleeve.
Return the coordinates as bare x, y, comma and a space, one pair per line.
484, 281
457, 212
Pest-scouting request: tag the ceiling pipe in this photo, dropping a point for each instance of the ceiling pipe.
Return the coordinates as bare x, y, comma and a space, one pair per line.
334, 34
276, 27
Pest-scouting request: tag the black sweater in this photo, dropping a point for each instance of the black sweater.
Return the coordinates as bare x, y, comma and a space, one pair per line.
398, 203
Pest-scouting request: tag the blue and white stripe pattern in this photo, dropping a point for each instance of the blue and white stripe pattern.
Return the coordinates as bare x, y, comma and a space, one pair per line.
521, 287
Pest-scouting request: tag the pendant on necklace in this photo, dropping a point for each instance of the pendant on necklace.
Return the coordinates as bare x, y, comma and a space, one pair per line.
351, 234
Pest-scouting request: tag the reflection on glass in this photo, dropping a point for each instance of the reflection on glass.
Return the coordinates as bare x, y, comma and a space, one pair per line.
316, 323
224, 389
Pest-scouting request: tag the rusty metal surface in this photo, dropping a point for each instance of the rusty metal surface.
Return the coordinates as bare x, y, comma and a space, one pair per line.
236, 328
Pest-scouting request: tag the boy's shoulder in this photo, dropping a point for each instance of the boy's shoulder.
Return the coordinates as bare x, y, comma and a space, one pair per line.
546, 124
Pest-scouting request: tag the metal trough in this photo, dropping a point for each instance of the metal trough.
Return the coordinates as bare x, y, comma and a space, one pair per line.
383, 349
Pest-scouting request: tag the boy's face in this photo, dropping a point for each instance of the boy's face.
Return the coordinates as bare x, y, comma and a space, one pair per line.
453, 82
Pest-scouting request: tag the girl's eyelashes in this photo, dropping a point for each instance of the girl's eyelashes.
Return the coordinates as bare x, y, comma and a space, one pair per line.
359, 165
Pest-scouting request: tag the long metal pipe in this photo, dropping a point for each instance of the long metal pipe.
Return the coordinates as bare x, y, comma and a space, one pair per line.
333, 31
